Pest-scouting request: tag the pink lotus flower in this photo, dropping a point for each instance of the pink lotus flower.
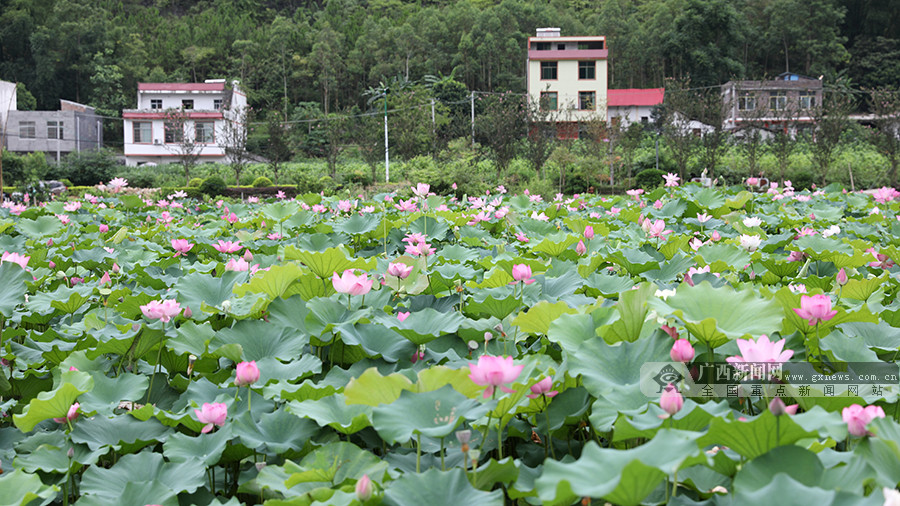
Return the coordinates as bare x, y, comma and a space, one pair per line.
274, 236
104, 228
237, 265
230, 218
883, 262
15, 258
580, 248
227, 246
493, 372
402, 316
181, 246
116, 184
689, 277
885, 194
421, 190
64, 218
70, 415
752, 181
280, 195
211, 414
657, 229
671, 400
778, 408
521, 237
672, 331
856, 417
105, 279
522, 272
703, 217
761, 350
658, 204
816, 308
399, 270
246, 374
350, 283
364, 488
161, 310
589, 232
542, 388
420, 249
671, 179
797, 256
841, 277
682, 351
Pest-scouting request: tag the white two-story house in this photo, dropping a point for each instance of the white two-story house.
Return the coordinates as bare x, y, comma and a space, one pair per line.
169, 113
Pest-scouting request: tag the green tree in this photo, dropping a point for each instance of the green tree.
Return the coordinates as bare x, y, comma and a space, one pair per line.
276, 148
885, 106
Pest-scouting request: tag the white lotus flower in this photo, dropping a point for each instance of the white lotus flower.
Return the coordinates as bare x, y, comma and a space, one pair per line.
750, 242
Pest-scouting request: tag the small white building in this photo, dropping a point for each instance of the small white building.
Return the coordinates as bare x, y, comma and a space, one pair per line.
204, 108
628, 106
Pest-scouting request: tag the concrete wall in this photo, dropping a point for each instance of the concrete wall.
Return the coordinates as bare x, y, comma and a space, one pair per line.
80, 132
567, 86
7, 104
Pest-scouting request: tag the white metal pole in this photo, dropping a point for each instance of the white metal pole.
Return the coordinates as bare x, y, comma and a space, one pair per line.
387, 158
473, 118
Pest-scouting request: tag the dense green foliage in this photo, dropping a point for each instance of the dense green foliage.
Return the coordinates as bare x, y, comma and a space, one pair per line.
329, 52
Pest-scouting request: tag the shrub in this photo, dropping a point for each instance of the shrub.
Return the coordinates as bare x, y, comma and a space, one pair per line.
66, 182
88, 168
195, 182
649, 179
262, 182
213, 186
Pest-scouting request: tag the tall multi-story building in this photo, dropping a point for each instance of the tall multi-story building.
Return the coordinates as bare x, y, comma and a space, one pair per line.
566, 77
167, 114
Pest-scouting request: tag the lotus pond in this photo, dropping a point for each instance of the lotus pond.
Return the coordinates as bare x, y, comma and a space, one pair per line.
417, 349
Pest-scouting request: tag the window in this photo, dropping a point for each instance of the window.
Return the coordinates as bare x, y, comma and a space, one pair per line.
807, 100
587, 70
204, 132
548, 70
156, 103
174, 132
549, 101
187, 104
746, 101
542, 46
217, 104
777, 100
596, 44
26, 130
143, 132
54, 129
587, 100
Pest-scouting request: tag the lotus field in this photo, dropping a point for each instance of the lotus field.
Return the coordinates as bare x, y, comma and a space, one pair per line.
686, 345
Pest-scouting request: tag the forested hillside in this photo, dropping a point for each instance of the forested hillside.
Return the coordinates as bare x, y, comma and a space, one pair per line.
330, 52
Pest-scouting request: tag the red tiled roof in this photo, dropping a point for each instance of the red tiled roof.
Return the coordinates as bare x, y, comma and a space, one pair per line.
181, 86
635, 97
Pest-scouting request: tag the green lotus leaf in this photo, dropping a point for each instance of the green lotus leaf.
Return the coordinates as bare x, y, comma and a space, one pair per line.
434, 414
537, 319
734, 313
335, 463
205, 448
47, 458
790, 492
624, 477
555, 244
280, 211
334, 412
635, 261
879, 335
458, 254
198, 288
755, 437
55, 403
632, 310
722, 256
862, 289
882, 451
612, 374
692, 417
358, 224
258, 340
12, 279
799, 463
110, 484
21, 488
438, 487
108, 392
378, 341
373, 389
274, 283
40, 227
424, 325
325, 263
275, 432
847, 349
122, 433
